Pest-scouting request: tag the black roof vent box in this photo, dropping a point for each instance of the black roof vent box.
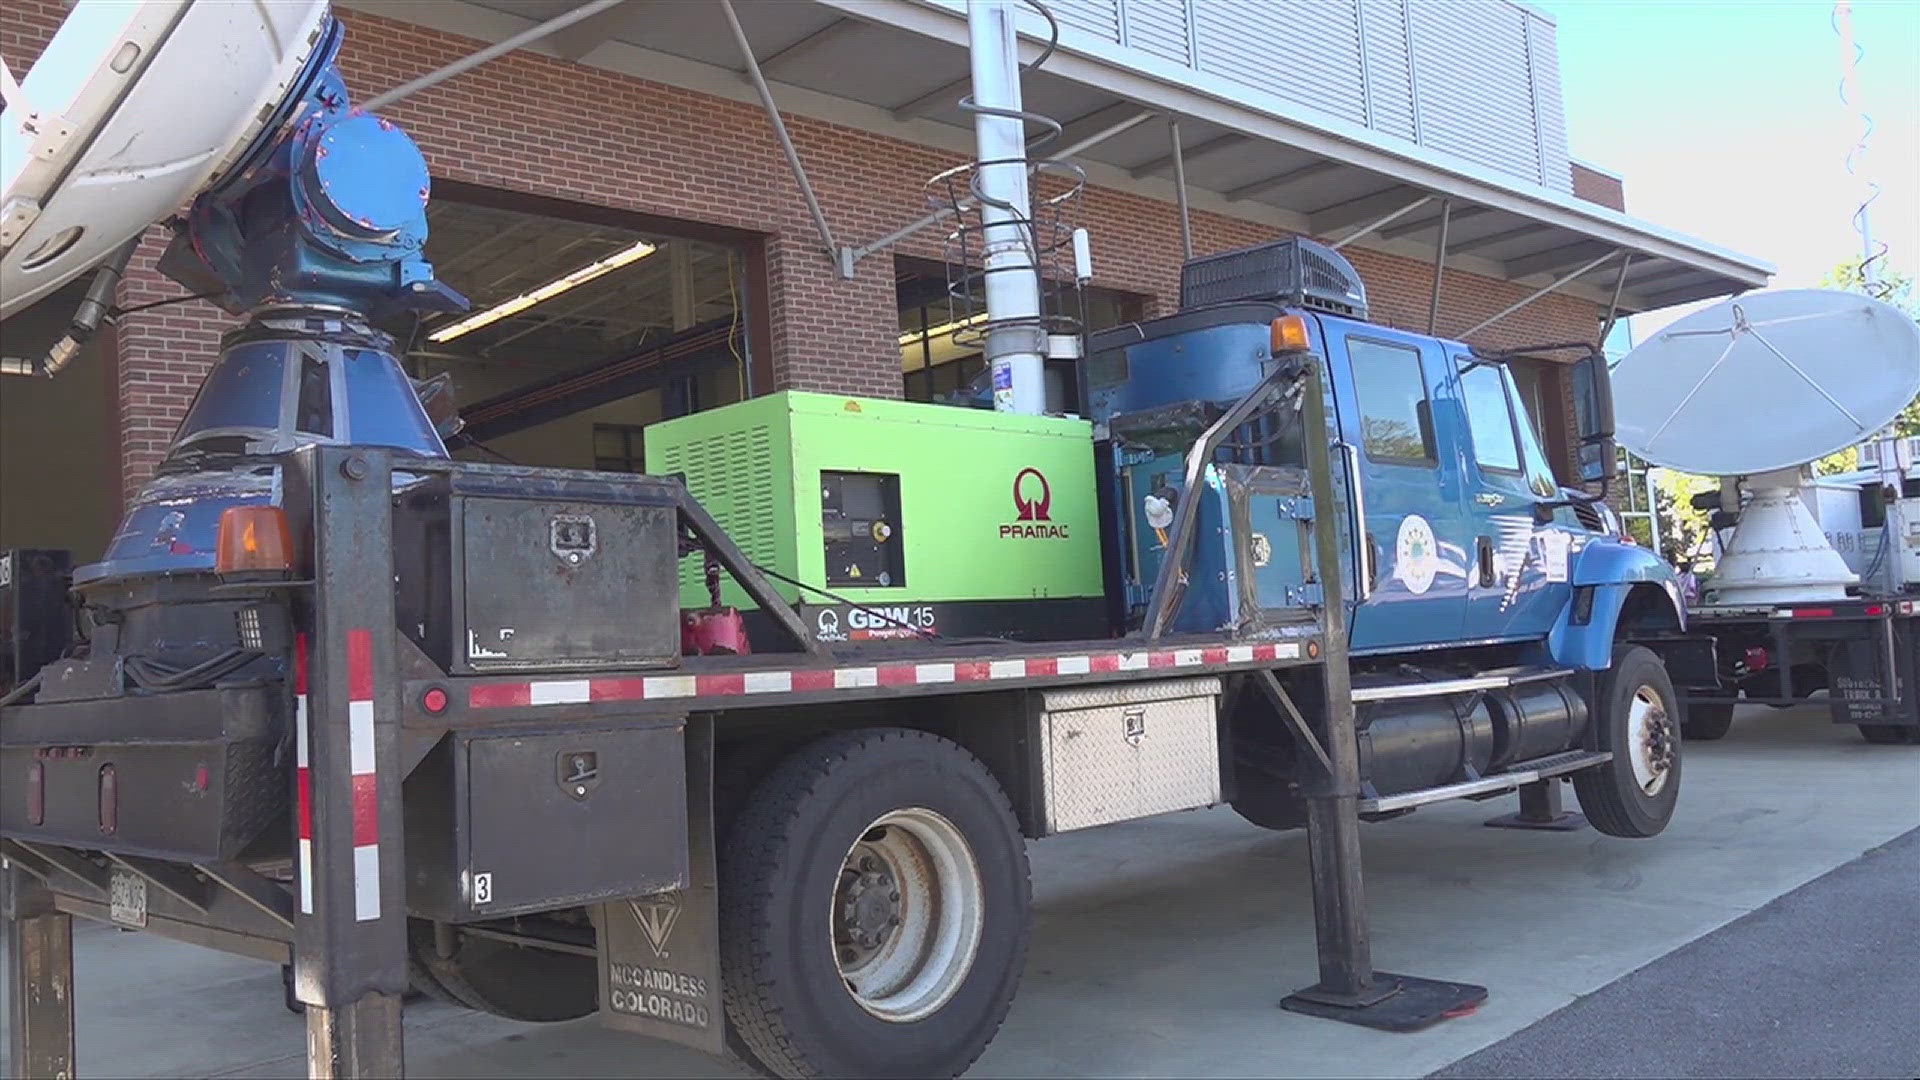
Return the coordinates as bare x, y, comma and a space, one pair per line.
1296, 271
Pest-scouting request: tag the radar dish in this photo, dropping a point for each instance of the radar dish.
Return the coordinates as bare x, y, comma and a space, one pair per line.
1766, 381
131, 110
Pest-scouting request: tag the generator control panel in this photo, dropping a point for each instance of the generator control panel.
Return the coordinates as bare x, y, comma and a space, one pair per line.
860, 529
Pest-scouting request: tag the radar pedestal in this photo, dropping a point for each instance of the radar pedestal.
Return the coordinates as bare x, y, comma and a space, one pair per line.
1778, 553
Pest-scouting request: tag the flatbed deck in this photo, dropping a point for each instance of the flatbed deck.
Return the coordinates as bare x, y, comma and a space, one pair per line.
890, 669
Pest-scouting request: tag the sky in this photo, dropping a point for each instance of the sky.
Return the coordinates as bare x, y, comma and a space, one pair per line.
1726, 121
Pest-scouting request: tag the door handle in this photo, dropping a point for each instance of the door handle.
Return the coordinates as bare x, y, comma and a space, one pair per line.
1365, 574
1484, 545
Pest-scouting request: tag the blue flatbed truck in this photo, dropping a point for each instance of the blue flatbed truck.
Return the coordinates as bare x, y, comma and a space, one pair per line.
1341, 582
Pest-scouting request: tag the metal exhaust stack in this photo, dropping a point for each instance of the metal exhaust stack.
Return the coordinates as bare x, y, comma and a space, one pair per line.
1015, 334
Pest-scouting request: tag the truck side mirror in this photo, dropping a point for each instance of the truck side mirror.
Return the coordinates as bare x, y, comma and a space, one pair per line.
1593, 417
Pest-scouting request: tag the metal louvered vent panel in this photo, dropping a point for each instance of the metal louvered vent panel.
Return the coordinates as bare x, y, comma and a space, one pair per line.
1293, 271
1160, 27
1101, 18
1475, 86
1477, 79
734, 483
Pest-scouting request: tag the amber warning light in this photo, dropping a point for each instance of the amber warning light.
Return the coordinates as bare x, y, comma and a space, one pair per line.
254, 540
1290, 334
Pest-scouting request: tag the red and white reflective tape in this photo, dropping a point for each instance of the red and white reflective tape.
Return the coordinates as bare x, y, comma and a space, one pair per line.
360, 750
366, 795
520, 693
303, 782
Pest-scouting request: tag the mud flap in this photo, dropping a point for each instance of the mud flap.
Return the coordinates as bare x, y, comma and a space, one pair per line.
1860, 672
660, 953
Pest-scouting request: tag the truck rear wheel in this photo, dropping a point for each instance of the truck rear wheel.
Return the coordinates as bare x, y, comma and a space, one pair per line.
1636, 715
518, 982
1706, 722
874, 909
1889, 734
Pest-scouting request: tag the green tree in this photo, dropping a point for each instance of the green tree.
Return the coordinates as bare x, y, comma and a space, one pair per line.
1895, 287
1683, 528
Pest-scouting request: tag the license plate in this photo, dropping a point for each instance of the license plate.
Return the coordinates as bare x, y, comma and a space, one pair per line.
128, 898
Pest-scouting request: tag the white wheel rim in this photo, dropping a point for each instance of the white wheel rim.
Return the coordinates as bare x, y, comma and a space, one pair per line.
907, 914
1650, 740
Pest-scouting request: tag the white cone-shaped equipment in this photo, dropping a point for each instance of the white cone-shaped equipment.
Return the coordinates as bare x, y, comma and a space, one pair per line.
1778, 553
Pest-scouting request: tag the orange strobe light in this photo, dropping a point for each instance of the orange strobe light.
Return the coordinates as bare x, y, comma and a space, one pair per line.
1290, 334
254, 540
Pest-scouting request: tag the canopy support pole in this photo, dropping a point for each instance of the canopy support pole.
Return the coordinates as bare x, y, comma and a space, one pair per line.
1557, 284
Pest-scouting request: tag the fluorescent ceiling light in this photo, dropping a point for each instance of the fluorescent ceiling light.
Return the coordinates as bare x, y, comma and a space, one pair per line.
551, 289
941, 330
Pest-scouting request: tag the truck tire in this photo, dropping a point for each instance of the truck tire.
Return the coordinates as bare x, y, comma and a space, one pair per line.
420, 981
1889, 734
1706, 722
515, 981
874, 909
1635, 716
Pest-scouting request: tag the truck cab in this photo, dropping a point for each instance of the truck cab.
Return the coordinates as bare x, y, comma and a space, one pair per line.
1458, 535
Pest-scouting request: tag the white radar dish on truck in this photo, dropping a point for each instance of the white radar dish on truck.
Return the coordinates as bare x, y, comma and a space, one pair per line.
131, 111
1754, 389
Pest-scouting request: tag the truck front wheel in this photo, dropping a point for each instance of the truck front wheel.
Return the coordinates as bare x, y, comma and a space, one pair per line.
1889, 734
874, 909
1637, 717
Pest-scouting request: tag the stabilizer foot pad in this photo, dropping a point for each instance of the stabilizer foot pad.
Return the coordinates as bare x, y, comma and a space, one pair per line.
1566, 821
1409, 1003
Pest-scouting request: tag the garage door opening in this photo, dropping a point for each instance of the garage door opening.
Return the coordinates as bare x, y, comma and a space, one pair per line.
585, 327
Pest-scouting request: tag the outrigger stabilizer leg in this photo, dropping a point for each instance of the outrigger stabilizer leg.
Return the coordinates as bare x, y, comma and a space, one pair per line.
39, 947
1540, 808
1349, 988
349, 934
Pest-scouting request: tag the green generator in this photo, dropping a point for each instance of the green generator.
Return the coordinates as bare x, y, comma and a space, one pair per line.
899, 519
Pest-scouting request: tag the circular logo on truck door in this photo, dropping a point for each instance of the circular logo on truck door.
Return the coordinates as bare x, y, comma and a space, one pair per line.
1416, 556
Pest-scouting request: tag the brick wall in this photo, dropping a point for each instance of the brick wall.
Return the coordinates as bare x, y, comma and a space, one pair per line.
1598, 187
541, 126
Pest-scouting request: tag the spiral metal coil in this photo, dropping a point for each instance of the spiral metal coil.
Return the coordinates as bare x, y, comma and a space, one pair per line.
1046, 228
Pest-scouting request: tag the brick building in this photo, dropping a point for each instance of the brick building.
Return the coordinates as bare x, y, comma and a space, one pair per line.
633, 131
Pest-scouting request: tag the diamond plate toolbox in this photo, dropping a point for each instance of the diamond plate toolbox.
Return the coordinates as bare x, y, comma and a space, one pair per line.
1120, 752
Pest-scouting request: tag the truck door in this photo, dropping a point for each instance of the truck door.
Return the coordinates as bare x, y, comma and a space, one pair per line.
1518, 579
1413, 556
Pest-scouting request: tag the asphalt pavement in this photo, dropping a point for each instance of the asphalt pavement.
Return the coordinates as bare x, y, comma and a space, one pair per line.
1824, 981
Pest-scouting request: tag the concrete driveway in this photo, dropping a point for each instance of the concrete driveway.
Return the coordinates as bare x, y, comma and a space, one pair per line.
1163, 946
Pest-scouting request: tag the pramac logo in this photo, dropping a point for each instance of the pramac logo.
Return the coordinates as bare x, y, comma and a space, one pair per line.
1032, 504
1032, 509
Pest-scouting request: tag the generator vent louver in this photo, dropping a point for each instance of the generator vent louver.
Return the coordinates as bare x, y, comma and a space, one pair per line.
1295, 271
732, 476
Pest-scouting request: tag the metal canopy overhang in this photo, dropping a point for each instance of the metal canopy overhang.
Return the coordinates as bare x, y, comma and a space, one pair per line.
899, 67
